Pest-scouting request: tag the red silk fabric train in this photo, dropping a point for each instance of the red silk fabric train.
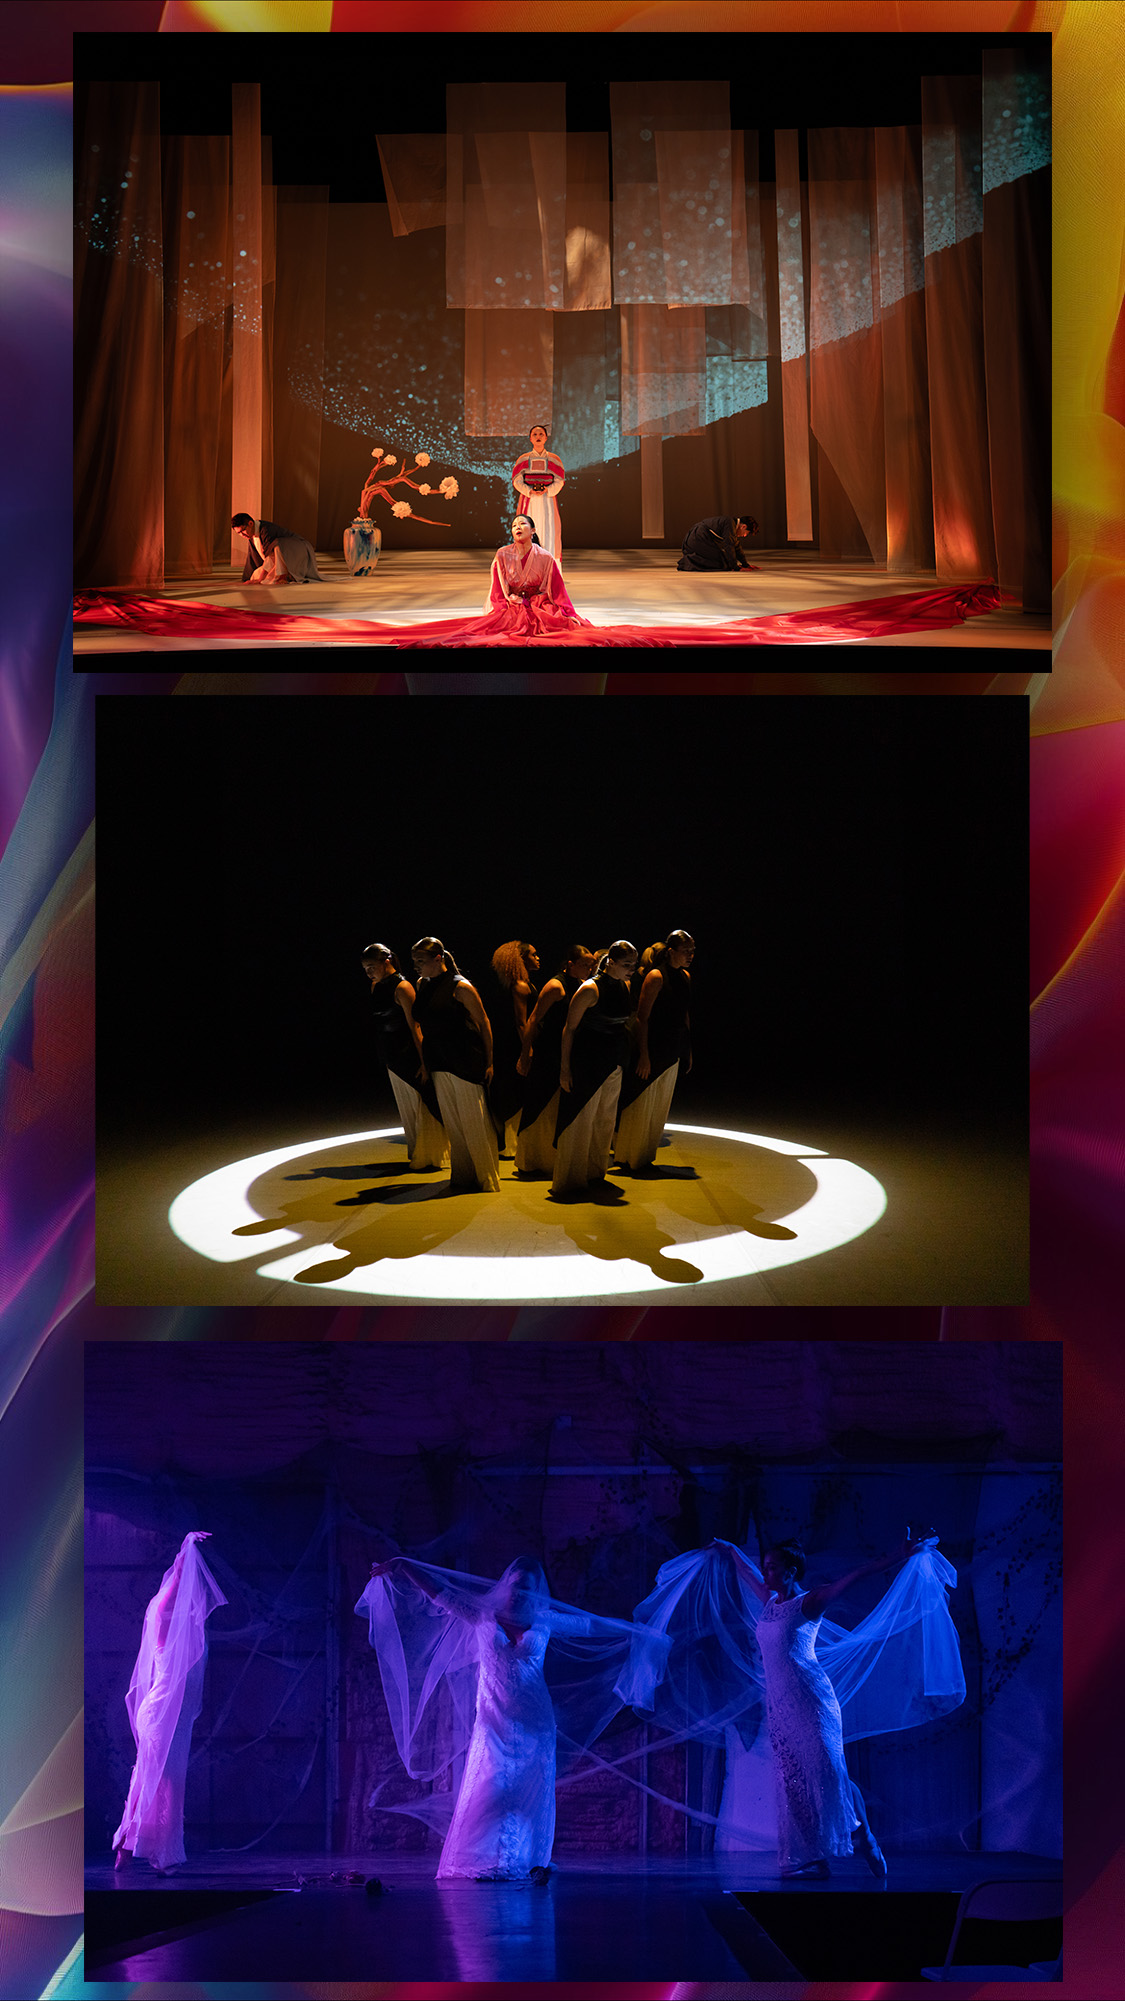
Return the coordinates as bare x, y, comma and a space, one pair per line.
870, 618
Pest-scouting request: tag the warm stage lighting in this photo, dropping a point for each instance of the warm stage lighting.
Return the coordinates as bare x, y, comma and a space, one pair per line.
845, 1202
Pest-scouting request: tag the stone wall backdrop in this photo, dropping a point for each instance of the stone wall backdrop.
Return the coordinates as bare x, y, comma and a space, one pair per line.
307, 1461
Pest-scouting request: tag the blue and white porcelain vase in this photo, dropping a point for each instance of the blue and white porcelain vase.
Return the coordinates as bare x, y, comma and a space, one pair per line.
362, 543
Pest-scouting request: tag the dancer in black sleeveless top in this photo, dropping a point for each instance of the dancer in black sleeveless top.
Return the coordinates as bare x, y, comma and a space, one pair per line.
516, 967
595, 1046
539, 1063
663, 1049
457, 1049
400, 1045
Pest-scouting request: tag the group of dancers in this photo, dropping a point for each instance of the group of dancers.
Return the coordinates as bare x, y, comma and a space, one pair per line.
562, 1076
519, 1685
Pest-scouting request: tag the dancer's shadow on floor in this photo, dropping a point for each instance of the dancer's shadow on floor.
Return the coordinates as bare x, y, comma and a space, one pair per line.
376, 1170
747, 1216
406, 1193
623, 1231
398, 1231
376, 1242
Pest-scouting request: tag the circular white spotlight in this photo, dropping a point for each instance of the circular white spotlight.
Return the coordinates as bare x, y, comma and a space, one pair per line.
846, 1201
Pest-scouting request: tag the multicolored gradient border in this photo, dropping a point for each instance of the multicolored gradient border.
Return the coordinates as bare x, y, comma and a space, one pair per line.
46, 958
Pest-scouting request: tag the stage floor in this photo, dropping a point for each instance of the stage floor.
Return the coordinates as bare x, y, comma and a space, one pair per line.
609, 586
820, 1215
622, 1918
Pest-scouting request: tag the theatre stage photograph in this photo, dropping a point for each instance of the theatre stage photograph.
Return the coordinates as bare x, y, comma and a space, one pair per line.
684, 341
667, 1002
650, 1663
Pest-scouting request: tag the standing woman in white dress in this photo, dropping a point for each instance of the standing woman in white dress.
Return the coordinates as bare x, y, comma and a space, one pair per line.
595, 1046
165, 1697
663, 1046
820, 1809
400, 1042
537, 477
510, 1680
753, 1661
503, 1824
457, 1052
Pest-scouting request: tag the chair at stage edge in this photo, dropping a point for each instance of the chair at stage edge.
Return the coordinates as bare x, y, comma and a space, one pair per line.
1012, 1900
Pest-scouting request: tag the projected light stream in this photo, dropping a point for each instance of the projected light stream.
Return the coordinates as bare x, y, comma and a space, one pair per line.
846, 1201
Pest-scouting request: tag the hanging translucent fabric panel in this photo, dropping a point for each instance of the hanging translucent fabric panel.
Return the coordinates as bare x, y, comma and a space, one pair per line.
1016, 155
505, 244
702, 219
196, 206
414, 178
413, 165
679, 242
587, 283
663, 370
737, 336
845, 361
901, 310
269, 298
118, 327
247, 285
964, 545
673, 195
506, 196
508, 374
302, 242
794, 362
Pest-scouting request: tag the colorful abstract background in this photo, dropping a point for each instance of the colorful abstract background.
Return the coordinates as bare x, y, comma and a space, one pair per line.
1077, 860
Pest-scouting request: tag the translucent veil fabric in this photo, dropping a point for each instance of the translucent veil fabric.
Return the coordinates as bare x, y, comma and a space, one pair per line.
900, 1666
164, 1698
427, 1652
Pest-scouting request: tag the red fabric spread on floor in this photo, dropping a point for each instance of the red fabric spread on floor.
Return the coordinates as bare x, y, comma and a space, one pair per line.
868, 618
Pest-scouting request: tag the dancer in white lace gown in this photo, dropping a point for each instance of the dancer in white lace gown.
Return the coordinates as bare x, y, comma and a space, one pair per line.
464, 1668
748, 1647
820, 1810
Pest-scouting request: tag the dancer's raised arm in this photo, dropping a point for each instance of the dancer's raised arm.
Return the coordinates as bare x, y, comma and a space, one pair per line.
166, 1599
746, 1571
823, 1594
401, 1566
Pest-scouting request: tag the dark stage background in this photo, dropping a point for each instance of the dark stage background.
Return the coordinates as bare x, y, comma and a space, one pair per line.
853, 874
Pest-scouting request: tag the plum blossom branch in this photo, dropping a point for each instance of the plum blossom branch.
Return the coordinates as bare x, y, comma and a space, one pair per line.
378, 483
